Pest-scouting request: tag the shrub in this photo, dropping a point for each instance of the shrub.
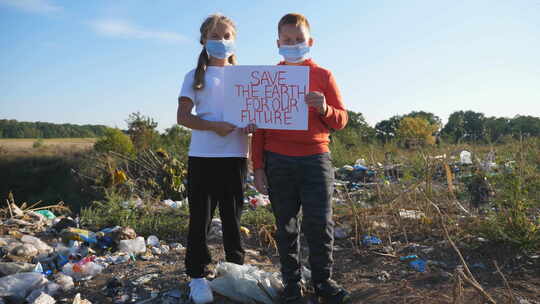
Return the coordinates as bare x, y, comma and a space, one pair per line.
116, 141
38, 143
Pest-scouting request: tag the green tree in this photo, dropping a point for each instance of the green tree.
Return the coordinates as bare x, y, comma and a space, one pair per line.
465, 126
386, 130
115, 140
431, 118
357, 124
496, 128
177, 139
142, 131
525, 126
415, 131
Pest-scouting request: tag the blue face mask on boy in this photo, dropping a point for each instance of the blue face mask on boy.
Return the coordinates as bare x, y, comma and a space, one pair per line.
220, 49
295, 53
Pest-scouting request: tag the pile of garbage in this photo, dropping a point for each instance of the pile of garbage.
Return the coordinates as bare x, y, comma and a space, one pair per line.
43, 256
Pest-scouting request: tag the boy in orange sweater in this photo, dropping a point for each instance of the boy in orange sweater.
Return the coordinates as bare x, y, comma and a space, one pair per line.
294, 168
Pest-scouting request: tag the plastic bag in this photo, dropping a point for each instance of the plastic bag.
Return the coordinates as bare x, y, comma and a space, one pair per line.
20, 284
41, 246
153, 241
47, 213
82, 271
465, 157
241, 283
138, 245
66, 282
76, 234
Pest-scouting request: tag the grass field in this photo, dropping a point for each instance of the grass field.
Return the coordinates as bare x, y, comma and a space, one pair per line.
26, 145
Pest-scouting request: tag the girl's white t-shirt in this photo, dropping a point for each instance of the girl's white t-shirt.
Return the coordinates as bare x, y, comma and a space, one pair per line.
209, 105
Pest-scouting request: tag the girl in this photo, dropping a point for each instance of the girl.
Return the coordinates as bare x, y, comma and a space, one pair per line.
217, 154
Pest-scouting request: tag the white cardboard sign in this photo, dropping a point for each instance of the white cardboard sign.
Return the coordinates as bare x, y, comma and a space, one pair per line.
272, 97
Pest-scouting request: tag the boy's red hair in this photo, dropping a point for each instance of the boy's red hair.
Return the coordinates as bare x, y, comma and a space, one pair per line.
294, 19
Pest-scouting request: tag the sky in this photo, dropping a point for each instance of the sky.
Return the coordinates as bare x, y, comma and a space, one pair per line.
95, 62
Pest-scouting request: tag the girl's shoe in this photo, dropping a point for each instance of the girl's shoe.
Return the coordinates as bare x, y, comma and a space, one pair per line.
200, 291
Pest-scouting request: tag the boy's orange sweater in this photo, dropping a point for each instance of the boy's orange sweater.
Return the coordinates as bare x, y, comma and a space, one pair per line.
314, 140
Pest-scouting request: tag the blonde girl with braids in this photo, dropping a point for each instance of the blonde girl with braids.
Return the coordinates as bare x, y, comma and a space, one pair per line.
217, 154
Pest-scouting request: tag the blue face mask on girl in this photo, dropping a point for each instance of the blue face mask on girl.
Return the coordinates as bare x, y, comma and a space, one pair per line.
295, 53
220, 49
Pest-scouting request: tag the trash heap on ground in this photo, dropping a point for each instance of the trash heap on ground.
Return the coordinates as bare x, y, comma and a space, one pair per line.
43, 257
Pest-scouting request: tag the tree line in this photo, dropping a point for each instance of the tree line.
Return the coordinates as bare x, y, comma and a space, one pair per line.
21, 129
414, 128
421, 128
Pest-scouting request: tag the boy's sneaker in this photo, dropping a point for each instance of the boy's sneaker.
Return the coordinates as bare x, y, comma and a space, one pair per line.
200, 292
292, 293
330, 292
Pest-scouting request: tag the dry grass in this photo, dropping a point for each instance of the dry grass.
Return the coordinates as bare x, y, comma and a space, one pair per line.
25, 146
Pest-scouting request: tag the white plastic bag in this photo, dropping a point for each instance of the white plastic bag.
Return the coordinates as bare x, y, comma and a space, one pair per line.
137, 245
465, 157
20, 284
241, 283
41, 246
86, 272
153, 241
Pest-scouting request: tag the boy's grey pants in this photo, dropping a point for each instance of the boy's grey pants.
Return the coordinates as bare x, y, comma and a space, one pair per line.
307, 182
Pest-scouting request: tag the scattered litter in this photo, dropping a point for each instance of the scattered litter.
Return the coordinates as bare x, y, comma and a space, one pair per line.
341, 232
145, 279
246, 283
408, 257
8, 268
64, 223
174, 204
20, 284
66, 282
411, 214
79, 300
418, 265
371, 240
465, 157
383, 276
83, 270
138, 245
46, 213
43, 298
245, 231
152, 241
76, 234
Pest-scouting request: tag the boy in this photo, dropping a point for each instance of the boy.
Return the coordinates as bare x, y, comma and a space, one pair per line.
295, 169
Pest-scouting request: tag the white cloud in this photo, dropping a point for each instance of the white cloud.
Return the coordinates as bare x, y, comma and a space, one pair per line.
123, 29
33, 6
